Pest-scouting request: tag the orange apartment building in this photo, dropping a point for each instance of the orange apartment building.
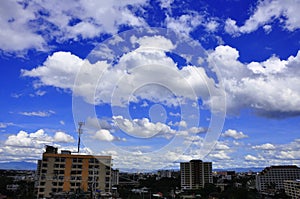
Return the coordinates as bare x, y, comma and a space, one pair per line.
66, 173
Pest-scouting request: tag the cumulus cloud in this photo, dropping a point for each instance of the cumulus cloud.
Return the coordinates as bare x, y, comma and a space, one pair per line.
211, 26
220, 155
272, 154
24, 146
234, 134
142, 128
61, 21
63, 137
101, 82
14, 22
266, 146
37, 139
265, 13
24, 139
103, 135
265, 87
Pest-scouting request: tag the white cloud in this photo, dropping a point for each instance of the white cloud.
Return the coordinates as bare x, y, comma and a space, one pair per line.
222, 146
37, 139
288, 155
24, 146
220, 155
6, 124
267, 28
196, 130
184, 24
265, 13
266, 87
142, 128
38, 113
101, 83
166, 3
17, 34
63, 137
103, 135
61, 21
40, 93
174, 114
271, 154
266, 146
212, 26
181, 123
251, 158
156, 42
24, 139
234, 134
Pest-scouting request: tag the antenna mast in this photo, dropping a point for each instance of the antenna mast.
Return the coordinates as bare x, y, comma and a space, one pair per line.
80, 124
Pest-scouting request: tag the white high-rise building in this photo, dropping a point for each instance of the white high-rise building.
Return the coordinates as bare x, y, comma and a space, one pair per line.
292, 188
195, 174
273, 177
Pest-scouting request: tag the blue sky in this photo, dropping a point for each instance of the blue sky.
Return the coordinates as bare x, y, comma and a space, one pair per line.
156, 82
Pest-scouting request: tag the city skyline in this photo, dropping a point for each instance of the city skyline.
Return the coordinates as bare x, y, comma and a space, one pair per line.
155, 82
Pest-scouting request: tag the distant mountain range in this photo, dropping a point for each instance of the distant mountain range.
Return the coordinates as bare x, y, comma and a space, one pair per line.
18, 166
242, 170
32, 166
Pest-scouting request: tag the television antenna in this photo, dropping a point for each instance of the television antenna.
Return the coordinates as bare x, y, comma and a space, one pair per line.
80, 131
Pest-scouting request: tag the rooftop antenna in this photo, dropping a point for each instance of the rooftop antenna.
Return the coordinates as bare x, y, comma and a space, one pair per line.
80, 124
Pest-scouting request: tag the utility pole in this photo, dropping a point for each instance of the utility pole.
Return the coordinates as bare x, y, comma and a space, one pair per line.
80, 124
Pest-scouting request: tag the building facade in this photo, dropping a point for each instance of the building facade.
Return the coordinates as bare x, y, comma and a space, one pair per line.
292, 188
272, 178
195, 174
66, 173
